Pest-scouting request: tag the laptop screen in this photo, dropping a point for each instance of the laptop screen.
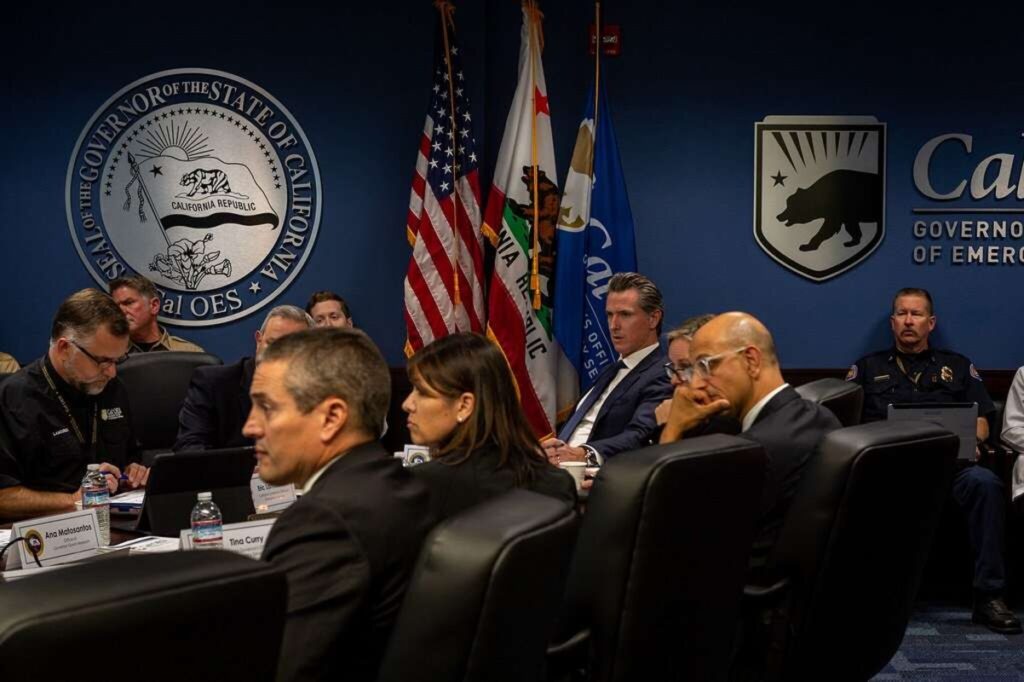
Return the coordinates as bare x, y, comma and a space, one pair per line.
960, 418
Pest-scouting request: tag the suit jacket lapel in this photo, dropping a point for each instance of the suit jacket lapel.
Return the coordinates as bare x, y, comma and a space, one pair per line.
627, 382
783, 397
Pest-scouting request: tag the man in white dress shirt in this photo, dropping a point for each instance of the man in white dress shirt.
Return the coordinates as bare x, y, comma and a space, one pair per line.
617, 413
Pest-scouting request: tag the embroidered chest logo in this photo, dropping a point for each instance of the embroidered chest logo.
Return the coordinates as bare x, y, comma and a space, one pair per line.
111, 413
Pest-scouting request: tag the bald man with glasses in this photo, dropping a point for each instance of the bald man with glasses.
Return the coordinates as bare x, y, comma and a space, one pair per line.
67, 410
734, 371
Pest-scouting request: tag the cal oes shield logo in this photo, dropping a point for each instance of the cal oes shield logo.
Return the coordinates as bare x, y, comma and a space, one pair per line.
819, 191
201, 181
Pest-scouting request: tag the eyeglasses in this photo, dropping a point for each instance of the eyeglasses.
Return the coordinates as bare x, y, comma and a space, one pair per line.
102, 363
704, 367
681, 372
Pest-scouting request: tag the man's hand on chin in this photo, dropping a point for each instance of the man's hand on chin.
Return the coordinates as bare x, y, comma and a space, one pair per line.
689, 408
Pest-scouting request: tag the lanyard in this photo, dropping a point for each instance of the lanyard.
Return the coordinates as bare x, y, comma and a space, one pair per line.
914, 378
67, 411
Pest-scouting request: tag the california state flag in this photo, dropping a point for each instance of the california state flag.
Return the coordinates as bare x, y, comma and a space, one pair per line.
520, 220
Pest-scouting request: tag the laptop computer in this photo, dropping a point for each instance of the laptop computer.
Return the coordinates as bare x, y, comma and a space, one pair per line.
960, 418
176, 478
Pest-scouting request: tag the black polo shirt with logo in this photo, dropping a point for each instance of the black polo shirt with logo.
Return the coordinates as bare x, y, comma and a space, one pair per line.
932, 376
39, 448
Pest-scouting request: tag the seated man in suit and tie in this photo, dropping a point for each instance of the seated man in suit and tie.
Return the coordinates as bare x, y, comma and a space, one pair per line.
349, 544
734, 370
617, 414
217, 401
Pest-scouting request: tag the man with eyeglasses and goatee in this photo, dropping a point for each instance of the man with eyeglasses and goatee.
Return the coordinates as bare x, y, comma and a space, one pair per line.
67, 410
734, 371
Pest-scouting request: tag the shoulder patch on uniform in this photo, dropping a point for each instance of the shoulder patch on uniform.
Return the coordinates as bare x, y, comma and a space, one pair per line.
974, 372
852, 374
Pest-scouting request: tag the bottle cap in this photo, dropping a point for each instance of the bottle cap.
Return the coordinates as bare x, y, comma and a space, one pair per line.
205, 496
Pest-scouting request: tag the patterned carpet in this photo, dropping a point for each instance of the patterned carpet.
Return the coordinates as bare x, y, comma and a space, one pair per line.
941, 643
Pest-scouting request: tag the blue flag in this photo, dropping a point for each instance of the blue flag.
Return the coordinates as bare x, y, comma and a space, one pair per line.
595, 240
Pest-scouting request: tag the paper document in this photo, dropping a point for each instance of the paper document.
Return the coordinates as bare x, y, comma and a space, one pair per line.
150, 544
133, 498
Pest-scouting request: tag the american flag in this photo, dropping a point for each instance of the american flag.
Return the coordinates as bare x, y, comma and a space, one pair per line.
444, 282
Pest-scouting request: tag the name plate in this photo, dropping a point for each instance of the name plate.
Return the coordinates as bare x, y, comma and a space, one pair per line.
245, 538
56, 539
270, 498
414, 455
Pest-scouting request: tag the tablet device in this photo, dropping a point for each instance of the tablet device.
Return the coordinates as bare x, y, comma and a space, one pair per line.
960, 418
176, 479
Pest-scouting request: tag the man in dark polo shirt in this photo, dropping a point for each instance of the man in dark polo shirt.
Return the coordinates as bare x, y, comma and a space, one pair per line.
139, 300
914, 372
67, 410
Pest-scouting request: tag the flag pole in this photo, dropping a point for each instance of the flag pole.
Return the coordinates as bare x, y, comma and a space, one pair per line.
152, 206
535, 46
597, 78
447, 10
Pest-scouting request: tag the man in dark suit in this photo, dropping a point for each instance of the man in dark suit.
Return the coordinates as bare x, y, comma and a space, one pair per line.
735, 370
217, 401
617, 413
348, 545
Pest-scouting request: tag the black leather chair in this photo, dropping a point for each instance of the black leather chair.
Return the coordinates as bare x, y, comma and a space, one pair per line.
484, 592
157, 383
852, 550
844, 399
656, 580
177, 616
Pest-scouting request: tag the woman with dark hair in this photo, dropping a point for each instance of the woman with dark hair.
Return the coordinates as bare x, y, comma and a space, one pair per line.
463, 406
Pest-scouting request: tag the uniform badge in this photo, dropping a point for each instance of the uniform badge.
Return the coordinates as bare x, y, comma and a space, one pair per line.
852, 374
946, 373
974, 372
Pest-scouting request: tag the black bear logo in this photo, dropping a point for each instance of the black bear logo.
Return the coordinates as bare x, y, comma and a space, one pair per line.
844, 198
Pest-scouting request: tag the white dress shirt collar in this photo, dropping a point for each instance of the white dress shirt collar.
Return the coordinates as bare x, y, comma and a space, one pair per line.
636, 357
317, 474
748, 420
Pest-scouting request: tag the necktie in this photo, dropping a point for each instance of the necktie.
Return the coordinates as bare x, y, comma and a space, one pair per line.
599, 388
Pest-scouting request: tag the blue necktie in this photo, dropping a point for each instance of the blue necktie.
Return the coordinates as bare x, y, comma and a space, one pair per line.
600, 386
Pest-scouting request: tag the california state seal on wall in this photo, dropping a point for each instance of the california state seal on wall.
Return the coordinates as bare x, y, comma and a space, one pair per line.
201, 181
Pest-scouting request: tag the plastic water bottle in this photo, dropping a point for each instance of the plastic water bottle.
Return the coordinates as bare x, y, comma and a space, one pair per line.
95, 495
207, 524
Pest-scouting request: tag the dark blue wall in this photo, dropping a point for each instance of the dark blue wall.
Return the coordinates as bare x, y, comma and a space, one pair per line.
686, 94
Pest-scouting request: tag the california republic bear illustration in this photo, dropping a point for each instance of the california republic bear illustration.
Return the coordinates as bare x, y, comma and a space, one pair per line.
844, 198
547, 218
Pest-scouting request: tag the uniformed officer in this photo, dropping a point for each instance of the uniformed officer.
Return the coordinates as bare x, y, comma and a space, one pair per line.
8, 365
140, 302
913, 372
67, 410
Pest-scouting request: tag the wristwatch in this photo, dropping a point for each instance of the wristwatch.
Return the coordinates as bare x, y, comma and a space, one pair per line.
590, 456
